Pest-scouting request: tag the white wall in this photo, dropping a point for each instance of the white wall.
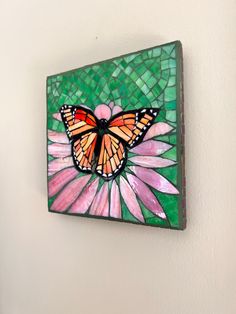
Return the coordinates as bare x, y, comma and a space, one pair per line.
53, 264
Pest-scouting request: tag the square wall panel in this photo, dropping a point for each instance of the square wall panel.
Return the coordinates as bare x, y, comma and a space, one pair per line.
116, 139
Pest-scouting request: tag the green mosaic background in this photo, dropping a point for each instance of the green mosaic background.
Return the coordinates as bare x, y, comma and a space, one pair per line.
148, 78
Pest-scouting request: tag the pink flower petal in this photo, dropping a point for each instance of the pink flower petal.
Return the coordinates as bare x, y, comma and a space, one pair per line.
146, 196
111, 104
59, 164
116, 110
154, 179
103, 112
130, 199
115, 207
57, 116
151, 148
60, 179
81, 205
58, 137
157, 129
151, 162
69, 194
59, 150
85, 106
100, 205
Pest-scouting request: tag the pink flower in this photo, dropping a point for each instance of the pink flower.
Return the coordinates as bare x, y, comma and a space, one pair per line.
79, 193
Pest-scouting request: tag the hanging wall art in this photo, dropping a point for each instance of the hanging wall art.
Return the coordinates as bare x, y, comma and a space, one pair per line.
116, 139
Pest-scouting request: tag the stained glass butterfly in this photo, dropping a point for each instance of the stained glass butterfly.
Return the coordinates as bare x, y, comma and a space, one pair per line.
100, 146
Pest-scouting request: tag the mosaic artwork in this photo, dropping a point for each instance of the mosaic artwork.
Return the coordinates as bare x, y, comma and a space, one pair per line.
116, 139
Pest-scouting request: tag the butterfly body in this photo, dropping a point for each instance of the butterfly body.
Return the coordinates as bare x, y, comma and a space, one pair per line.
100, 145
102, 127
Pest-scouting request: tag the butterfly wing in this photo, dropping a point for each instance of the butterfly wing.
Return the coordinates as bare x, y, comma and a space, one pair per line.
81, 129
111, 158
132, 126
83, 151
77, 120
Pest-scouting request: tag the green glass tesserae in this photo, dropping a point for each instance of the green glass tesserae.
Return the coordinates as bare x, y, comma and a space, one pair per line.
115, 139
